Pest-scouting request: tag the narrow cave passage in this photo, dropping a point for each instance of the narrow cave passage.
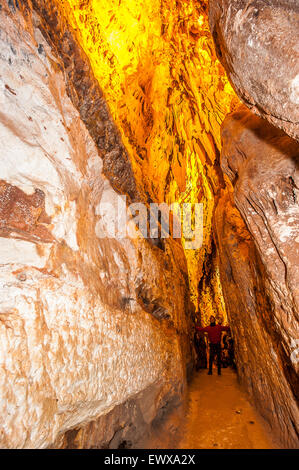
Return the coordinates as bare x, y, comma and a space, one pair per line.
116, 114
217, 415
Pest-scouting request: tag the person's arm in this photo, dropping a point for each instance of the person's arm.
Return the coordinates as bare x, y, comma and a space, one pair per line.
199, 328
225, 328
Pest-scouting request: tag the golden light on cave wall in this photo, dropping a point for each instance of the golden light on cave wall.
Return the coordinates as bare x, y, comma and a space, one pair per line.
168, 95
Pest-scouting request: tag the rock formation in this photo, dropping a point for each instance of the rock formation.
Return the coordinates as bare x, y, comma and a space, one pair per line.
90, 327
257, 43
256, 221
100, 101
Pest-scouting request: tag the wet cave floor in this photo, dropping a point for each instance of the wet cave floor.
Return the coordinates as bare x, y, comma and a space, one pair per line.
217, 415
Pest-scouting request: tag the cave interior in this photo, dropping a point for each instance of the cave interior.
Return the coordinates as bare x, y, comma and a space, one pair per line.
173, 102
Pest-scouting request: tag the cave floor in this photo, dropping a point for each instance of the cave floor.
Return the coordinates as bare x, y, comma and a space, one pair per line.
217, 415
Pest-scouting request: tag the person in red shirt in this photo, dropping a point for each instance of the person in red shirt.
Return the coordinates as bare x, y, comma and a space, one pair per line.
214, 334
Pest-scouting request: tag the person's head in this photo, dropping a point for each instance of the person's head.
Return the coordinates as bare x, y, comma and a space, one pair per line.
220, 321
212, 319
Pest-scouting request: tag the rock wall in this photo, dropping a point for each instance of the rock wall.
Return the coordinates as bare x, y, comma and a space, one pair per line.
168, 95
94, 331
256, 225
257, 216
257, 43
87, 324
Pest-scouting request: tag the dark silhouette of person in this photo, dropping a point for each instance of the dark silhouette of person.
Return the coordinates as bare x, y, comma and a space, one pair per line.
214, 334
201, 351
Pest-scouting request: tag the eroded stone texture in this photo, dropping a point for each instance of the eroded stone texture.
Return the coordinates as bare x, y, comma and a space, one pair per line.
257, 234
76, 340
129, 425
168, 95
257, 43
23, 215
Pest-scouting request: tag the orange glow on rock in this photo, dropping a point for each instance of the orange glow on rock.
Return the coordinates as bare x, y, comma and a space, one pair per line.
168, 95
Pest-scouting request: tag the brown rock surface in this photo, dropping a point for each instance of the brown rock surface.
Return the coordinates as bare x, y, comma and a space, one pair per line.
128, 425
257, 235
23, 215
257, 42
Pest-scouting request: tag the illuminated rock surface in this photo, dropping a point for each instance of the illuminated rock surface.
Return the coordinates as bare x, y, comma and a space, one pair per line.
106, 98
257, 43
168, 95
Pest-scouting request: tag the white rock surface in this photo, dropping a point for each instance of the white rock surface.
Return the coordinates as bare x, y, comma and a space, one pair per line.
71, 346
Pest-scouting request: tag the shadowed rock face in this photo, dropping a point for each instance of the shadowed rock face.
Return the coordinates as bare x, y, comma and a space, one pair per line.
257, 234
257, 216
257, 43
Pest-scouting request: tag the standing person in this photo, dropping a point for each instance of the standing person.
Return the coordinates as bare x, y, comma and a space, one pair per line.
214, 334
